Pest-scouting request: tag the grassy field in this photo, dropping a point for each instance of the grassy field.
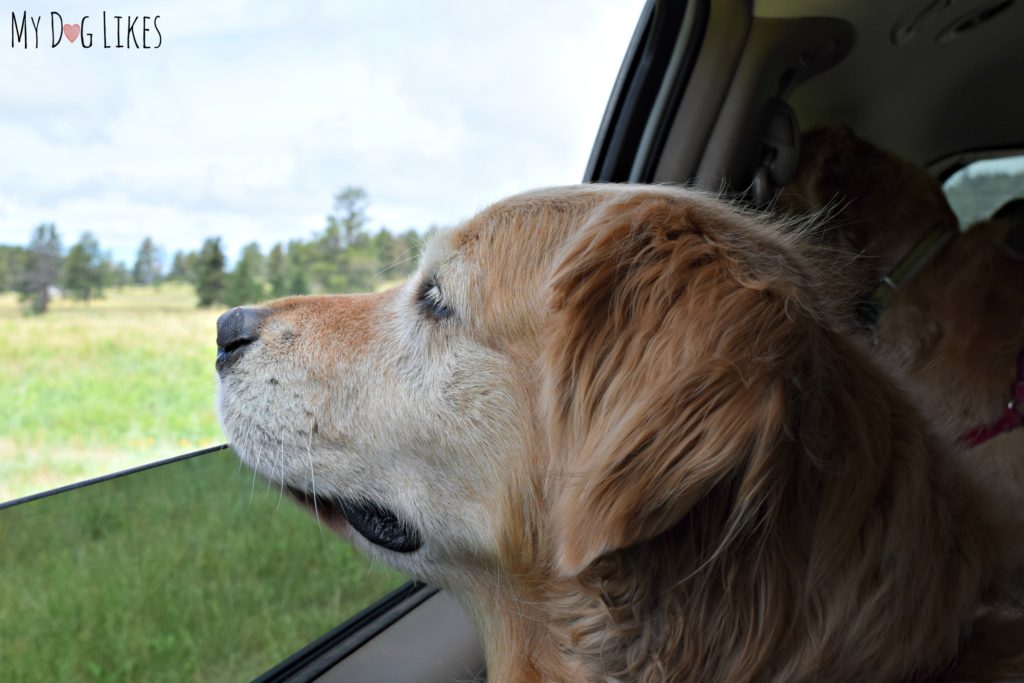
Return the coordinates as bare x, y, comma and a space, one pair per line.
187, 572
88, 389
192, 571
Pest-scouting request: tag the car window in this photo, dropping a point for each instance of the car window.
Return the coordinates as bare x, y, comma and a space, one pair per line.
189, 571
164, 164
982, 188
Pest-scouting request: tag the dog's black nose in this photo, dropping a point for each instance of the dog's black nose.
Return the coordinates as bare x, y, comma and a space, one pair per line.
240, 326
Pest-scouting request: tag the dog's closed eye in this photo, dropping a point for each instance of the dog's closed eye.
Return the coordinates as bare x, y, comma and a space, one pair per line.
431, 301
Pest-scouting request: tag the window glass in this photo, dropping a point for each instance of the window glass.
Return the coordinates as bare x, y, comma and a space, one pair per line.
164, 161
982, 188
190, 571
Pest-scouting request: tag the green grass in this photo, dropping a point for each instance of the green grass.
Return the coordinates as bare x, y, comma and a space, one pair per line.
186, 572
192, 571
89, 389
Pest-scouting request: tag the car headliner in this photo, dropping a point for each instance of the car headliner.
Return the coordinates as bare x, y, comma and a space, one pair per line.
938, 93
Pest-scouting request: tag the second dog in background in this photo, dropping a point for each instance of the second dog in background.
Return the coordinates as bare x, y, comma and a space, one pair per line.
876, 206
945, 311
957, 334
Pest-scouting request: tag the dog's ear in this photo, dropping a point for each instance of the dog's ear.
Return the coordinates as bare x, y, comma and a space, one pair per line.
831, 164
668, 372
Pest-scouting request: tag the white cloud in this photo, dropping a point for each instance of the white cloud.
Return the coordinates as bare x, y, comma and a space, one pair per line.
249, 118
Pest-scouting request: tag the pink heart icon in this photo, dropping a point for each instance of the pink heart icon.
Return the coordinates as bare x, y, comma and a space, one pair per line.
71, 31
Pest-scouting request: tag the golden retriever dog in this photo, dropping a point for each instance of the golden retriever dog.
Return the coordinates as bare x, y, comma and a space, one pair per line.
876, 206
619, 424
957, 333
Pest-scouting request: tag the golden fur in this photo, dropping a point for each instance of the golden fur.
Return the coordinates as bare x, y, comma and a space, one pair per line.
637, 450
956, 331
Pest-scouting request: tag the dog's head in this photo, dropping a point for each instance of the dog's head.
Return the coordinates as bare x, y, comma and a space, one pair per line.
878, 206
565, 369
614, 387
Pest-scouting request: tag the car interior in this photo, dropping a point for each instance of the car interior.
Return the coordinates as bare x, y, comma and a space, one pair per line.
714, 95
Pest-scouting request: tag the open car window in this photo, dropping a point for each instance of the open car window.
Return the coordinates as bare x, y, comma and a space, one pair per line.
188, 571
234, 154
165, 163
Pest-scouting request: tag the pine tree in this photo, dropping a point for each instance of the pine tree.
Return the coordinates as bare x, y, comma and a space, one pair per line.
209, 272
117, 274
329, 263
298, 284
148, 268
179, 267
244, 284
277, 272
331, 266
83, 273
412, 246
300, 259
387, 252
42, 267
255, 260
349, 213
12, 267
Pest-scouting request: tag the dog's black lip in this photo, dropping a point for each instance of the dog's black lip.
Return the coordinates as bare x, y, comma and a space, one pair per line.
229, 355
374, 522
236, 344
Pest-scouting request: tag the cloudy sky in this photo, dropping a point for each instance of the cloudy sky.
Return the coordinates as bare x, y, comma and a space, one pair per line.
249, 117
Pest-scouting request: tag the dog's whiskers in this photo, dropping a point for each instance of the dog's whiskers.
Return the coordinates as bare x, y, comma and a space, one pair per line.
399, 260
280, 482
255, 467
312, 479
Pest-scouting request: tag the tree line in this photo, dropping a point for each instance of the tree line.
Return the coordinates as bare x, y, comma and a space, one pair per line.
343, 257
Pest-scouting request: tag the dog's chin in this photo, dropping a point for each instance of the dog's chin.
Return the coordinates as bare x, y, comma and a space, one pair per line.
374, 522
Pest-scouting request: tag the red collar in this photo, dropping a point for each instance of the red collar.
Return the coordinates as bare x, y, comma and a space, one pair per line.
1012, 417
